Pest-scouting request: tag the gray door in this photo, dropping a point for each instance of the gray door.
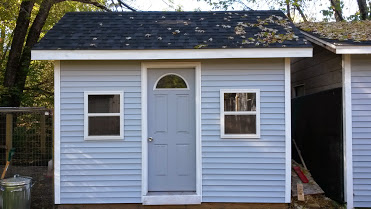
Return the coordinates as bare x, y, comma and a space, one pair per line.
171, 124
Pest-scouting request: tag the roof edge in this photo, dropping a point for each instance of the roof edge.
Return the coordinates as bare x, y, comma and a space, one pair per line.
170, 54
352, 49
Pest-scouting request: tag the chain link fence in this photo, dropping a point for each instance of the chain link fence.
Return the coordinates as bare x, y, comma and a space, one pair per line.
30, 132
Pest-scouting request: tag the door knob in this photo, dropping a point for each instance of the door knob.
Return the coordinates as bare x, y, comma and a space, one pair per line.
150, 139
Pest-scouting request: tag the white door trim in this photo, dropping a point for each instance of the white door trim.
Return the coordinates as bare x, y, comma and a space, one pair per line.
180, 199
57, 132
288, 129
347, 129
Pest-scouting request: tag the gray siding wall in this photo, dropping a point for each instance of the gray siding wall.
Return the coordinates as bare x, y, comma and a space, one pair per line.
361, 119
318, 73
234, 170
100, 171
244, 170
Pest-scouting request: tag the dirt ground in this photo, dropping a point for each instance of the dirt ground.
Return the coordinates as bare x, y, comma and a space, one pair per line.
42, 190
314, 202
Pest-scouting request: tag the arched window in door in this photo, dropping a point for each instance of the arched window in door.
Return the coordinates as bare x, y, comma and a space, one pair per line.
171, 81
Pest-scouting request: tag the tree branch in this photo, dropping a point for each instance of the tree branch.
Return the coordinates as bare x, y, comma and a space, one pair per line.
94, 3
126, 5
301, 13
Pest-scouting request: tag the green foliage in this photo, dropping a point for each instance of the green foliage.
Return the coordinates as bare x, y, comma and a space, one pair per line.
39, 84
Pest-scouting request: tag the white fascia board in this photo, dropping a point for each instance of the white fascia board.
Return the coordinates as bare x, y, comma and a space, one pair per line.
169, 54
353, 49
338, 49
320, 42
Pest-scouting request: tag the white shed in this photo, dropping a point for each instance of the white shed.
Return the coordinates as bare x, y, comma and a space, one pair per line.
172, 107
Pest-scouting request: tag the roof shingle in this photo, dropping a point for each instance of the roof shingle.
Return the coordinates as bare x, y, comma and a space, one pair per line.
171, 30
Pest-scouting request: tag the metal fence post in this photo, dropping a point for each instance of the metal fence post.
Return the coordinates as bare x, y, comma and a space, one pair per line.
42, 133
9, 133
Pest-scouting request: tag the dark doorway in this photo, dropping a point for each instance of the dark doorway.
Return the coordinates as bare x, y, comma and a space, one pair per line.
317, 130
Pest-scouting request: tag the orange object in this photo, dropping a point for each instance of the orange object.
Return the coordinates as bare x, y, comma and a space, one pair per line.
301, 175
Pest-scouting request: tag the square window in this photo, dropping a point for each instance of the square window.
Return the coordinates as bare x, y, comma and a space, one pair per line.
299, 90
103, 115
240, 113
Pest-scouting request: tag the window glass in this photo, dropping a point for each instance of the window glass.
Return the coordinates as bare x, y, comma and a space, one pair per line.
171, 81
103, 103
299, 91
239, 102
104, 126
240, 124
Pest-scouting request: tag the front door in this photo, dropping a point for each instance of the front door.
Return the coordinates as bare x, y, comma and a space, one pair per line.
171, 130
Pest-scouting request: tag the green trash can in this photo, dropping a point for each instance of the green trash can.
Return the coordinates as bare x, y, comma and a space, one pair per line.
16, 192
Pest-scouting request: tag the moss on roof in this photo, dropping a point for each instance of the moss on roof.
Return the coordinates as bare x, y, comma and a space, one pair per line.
356, 31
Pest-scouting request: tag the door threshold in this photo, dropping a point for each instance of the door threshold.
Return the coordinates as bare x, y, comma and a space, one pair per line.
171, 198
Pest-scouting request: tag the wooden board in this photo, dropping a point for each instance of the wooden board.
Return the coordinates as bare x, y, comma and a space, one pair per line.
309, 188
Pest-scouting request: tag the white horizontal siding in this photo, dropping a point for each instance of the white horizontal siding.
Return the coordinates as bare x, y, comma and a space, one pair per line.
234, 170
244, 170
100, 171
361, 121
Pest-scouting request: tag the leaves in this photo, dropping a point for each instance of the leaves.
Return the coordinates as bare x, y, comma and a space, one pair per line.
356, 30
38, 90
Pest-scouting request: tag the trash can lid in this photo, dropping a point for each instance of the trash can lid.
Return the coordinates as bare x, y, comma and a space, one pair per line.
16, 181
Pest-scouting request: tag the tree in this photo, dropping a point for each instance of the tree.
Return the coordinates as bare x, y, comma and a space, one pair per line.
27, 31
288, 6
337, 8
363, 10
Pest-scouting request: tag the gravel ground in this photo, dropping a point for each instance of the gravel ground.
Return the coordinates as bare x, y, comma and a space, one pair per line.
42, 190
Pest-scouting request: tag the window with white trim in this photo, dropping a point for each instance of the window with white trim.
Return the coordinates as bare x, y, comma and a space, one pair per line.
240, 113
103, 115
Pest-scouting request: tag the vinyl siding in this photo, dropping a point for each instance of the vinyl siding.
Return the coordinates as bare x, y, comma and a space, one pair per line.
234, 170
361, 119
100, 171
244, 170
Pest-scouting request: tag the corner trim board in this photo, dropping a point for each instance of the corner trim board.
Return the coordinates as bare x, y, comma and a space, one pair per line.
57, 124
169, 54
347, 129
288, 130
171, 199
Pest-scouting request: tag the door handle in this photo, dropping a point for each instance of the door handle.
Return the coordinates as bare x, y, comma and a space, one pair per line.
150, 139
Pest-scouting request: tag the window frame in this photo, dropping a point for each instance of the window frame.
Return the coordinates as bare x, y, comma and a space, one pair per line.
295, 90
166, 74
223, 113
87, 115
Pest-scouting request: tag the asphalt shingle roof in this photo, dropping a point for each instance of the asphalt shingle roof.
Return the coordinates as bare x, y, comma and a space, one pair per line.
355, 33
169, 30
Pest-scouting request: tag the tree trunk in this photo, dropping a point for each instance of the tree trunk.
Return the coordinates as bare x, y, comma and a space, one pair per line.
297, 6
363, 9
2, 41
20, 57
32, 38
335, 4
288, 12
19, 36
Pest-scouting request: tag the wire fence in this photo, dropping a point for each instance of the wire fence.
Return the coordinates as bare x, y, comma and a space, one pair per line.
30, 132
